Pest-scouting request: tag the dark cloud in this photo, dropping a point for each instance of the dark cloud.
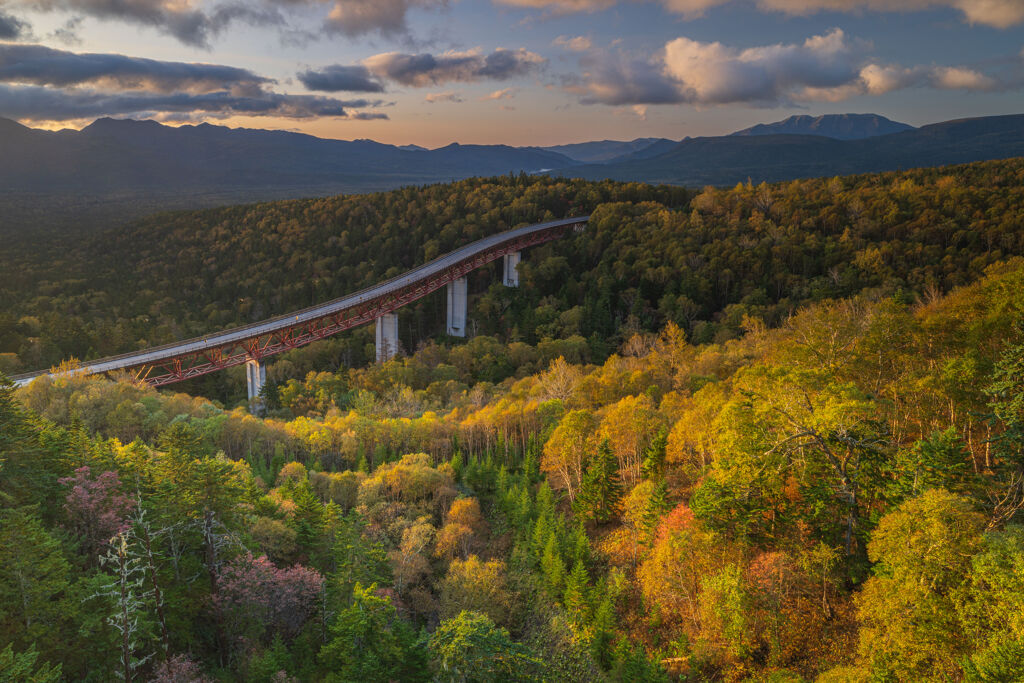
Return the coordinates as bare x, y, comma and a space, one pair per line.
44, 84
35, 103
179, 19
618, 80
11, 27
339, 78
998, 13
40, 65
427, 69
197, 24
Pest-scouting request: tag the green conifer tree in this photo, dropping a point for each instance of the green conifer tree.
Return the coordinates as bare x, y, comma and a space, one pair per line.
575, 597
604, 634
308, 519
653, 465
553, 566
601, 490
657, 505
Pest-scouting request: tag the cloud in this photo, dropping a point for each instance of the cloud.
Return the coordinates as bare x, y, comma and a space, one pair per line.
503, 94
12, 28
197, 22
961, 78
39, 83
68, 33
40, 65
997, 13
878, 79
446, 96
712, 73
36, 103
561, 6
618, 79
828, 67
178, 18
577, 44
425, 69
338, 77
691, 9
358, 17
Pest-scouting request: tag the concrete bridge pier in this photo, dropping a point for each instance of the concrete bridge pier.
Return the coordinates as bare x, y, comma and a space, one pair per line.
256, 377
457, 307
387, 337
511, 272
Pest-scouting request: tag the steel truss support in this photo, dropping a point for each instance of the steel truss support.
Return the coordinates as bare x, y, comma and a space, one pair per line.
176, 367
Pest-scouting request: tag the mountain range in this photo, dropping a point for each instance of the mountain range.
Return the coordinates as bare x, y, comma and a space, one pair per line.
113, 169
838, 126
731, 159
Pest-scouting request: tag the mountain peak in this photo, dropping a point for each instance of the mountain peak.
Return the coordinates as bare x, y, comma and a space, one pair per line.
838, 126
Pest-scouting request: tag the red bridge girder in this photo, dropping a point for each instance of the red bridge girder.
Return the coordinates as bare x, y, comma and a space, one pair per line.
194, 364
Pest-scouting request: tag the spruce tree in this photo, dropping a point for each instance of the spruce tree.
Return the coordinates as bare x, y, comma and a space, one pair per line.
601, 490
575, 597
553, 566
657, 505
653, 465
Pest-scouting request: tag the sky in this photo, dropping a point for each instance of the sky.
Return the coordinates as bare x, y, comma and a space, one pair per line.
517, 72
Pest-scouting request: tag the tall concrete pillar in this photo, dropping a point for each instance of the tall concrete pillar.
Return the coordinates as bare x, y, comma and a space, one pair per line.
457, 307
511, 276
256, 377
387, 337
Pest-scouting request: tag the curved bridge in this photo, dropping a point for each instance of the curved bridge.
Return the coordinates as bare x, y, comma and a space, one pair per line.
251, 343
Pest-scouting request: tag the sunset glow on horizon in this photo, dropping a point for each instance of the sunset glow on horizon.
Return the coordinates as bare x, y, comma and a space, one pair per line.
518, 72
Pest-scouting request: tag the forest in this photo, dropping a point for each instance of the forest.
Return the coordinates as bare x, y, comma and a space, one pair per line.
651, 255
814, 474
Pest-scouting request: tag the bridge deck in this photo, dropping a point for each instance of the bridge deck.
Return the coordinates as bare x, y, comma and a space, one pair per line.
200, 355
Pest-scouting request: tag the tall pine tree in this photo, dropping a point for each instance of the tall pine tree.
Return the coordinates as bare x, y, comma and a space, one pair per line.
601, 489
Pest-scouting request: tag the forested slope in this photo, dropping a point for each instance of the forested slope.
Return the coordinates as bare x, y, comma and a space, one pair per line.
772, 433
724, 160
649, 256
836, 499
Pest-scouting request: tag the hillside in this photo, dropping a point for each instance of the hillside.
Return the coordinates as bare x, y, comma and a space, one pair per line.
116, 170
650, 255
731, 159
838, 126
606, 150
834, 499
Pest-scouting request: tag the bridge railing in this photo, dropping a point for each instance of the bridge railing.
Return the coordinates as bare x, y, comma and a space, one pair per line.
200, 355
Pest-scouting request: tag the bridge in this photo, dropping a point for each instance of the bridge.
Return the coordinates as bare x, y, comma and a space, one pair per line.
251, 344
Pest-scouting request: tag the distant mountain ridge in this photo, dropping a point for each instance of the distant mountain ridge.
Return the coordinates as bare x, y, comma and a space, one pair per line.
731, 159
838, 126
114, 170
125, 168
606, 150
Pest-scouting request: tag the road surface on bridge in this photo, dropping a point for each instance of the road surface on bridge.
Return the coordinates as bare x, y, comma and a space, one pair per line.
201, 355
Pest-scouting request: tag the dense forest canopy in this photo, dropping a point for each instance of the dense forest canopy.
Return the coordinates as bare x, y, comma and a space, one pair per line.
640, 469
836, 498
650, 255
